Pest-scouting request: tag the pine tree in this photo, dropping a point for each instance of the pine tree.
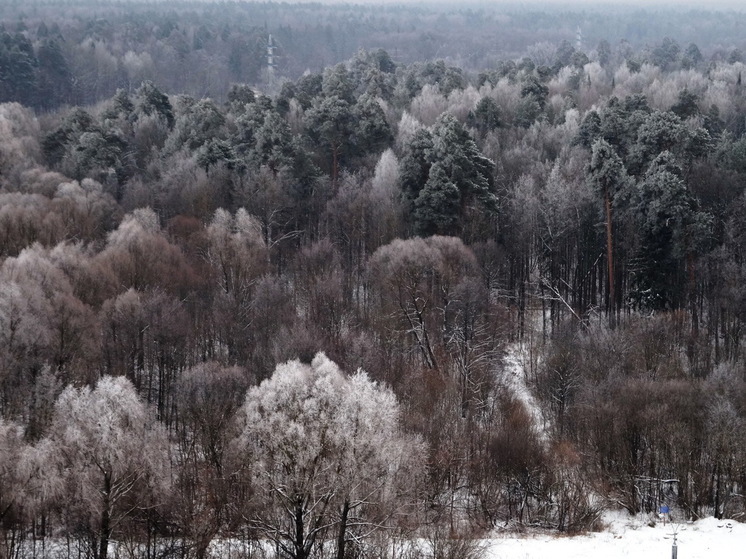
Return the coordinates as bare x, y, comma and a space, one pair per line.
608, 176
437, 206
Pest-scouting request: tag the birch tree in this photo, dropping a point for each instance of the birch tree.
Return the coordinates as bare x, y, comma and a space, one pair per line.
608, 176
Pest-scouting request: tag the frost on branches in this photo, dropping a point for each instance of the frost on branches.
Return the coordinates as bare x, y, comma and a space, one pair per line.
329, 454
112, 456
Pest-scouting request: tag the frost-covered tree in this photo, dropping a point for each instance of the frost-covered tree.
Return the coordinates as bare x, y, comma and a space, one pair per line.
437, 206
415, 165
199, 122
445, 178
208, 396
329, 124
660, 131
607, 175
140, 255
19, 144
236, 250
274, 144
84, 208
386, 176
486, 115
672, 231
112, 457
371, 132
26, 488
413, 282
149, 100
11, 450
43, 323
327, 454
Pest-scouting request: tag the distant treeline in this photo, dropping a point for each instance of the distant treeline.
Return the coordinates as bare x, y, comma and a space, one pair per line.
79, 52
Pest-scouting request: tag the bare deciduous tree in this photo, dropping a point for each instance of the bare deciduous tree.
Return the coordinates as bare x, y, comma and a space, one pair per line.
112, 456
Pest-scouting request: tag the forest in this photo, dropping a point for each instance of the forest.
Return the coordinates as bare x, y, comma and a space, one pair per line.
387, 289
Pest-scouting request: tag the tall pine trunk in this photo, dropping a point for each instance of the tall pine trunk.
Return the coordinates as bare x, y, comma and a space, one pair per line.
610, 259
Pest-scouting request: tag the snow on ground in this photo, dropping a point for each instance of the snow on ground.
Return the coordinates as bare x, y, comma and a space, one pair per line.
515, 366
628, 537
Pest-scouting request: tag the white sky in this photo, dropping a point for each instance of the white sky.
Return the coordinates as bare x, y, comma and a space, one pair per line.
706, 4
709, 5
739, 5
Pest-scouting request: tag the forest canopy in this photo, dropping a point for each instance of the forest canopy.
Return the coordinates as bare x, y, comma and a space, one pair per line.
369, 294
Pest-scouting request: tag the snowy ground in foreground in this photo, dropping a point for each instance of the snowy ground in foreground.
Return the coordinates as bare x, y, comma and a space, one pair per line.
629, 538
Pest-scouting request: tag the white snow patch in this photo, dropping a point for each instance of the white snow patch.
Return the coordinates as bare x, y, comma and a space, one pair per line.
516, 366
628, 537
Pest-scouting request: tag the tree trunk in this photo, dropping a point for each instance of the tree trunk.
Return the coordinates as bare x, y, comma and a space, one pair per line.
716, 480
342, 530
692, 294
610, 259
335, 165
300, 540
105, 532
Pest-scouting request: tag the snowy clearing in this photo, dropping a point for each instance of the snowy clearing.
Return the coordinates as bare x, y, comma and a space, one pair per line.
629, 538
515, 378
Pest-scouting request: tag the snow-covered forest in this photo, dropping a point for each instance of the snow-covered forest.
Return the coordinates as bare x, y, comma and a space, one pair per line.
401, 296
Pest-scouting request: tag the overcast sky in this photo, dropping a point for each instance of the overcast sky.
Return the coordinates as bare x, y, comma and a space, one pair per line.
706, 4
738, 5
